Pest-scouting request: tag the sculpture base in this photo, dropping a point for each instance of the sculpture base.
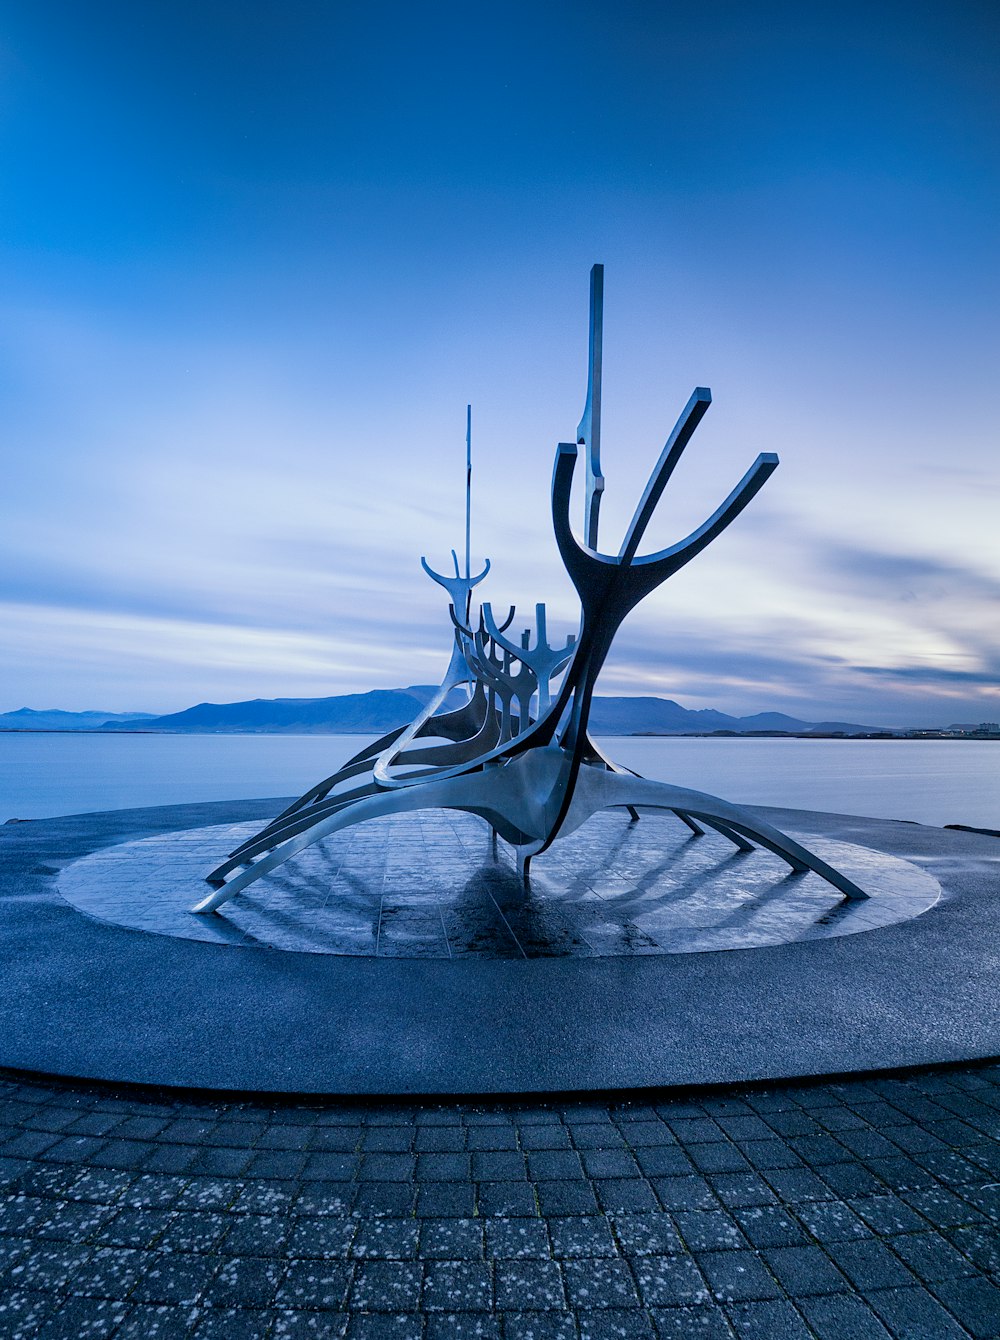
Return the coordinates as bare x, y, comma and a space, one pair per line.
596, 987
435, 884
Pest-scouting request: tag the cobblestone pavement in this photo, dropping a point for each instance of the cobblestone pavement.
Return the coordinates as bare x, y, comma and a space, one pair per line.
854, 1210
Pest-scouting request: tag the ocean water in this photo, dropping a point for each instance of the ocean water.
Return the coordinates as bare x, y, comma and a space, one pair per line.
928, 781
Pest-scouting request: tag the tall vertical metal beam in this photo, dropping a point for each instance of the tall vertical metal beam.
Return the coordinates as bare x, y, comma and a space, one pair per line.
588, 434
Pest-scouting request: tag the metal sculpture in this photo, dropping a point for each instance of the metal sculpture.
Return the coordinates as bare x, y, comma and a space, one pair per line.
518, 752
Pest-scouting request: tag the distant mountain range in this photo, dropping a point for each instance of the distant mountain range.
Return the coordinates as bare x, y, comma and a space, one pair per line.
380, 710
26, 718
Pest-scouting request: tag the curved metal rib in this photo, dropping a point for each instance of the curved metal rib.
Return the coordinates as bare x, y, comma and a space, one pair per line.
519, 798
600, 790
505, 798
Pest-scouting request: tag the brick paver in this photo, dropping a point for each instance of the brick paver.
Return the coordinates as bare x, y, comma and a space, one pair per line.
869, 1208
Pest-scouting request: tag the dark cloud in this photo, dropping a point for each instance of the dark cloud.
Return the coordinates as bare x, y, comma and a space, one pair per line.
896, 576
930, 676
712, 661
743, 675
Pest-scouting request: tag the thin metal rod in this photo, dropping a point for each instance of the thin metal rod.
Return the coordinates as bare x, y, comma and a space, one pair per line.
468, 490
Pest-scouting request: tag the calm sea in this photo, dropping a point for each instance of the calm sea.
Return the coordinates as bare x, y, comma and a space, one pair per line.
932, 782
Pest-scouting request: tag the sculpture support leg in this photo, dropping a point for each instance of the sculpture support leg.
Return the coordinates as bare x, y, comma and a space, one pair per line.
597, 790
695, 828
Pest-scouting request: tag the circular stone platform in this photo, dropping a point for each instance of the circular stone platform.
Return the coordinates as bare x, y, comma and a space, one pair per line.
433, 885
407, 960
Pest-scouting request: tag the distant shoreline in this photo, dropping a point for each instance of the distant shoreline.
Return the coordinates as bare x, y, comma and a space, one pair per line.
606, 734
379, 710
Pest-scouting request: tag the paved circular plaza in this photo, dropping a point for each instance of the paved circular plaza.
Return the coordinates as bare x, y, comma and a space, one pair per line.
409, 959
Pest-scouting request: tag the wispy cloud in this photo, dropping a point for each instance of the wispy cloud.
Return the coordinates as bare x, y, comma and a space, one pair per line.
247, 295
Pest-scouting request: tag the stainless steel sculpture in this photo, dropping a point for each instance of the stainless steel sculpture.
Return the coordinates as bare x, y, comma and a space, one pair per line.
518, 752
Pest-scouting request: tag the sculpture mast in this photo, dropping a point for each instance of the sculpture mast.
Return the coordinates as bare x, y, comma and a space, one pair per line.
588, 434
468, 490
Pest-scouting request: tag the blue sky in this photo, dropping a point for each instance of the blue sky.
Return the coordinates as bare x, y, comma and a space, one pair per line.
256, 258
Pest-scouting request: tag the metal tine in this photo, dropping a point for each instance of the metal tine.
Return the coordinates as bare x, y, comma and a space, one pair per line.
691, 416
723, 516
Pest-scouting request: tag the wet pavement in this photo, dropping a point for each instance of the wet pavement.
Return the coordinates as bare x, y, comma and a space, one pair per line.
433, 885
862, 1209
584, 982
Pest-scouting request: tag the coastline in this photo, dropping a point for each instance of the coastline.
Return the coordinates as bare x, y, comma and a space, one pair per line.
608, 734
